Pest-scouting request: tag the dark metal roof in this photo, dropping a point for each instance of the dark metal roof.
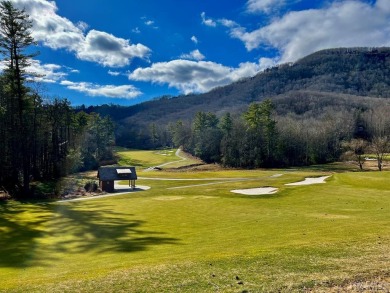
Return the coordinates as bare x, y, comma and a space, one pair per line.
111, 173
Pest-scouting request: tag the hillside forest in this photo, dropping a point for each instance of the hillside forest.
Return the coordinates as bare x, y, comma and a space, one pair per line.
284, 132
328, 106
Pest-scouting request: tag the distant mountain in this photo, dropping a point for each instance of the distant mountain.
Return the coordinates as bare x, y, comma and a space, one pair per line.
346, 71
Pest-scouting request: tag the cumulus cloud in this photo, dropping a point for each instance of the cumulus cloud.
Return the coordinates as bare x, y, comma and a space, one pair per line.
109, 50
82, 25
110, 91
47, 73
383, 5
53, 73
263, 6
59, 32
341, 24
194, 55
194, 77
208, 22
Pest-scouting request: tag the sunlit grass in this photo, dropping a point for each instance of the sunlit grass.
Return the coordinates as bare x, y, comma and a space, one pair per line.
153, 158
146, 158
201, 237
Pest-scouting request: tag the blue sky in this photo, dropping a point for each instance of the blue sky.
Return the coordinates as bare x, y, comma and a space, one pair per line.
125, 52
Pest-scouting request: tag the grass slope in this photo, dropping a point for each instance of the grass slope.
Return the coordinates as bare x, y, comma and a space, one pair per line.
202, 238
145, 159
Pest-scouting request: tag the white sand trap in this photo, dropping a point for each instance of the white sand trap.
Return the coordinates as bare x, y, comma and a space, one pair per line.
309, 180
256, 191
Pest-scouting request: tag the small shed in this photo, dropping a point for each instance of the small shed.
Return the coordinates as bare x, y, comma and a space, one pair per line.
108, 175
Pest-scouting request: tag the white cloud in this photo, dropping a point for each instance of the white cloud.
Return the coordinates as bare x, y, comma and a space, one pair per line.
208, 22
194, 55
267, 62
53, 30
114, 73
213, 23
48, 73
342, 24
149, 22
190, 76
383, 5
58, 32
263, 6
82, 25
110, 91
136, 30
109, 50
194, 39
228, 23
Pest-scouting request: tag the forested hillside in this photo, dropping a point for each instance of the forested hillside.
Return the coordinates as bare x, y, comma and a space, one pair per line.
353, 71
334, 80
328, 106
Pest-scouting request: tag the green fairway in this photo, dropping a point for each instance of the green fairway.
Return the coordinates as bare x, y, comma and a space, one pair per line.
145, 159
194, 235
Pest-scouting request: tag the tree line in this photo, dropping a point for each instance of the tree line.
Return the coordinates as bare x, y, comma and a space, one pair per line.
267, 135
40, 140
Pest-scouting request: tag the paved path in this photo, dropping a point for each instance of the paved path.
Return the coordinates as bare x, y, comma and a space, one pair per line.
119, 190
177, 154
125, 189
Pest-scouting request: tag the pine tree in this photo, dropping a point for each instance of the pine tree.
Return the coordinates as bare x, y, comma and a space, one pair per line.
15, 39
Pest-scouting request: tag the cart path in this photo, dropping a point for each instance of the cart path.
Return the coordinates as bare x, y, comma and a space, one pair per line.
124, 189
177, 154
119, 190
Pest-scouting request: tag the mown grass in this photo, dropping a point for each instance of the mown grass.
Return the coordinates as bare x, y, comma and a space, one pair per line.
145, 159
202, 238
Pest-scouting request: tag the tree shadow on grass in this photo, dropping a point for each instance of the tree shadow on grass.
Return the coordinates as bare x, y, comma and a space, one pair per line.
32, 234
18, 233
100, 229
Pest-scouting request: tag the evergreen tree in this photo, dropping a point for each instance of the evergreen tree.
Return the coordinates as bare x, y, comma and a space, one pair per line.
263, 128
15, 39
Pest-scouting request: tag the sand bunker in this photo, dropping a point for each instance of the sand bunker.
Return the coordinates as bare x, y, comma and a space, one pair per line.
256, 191
309, 181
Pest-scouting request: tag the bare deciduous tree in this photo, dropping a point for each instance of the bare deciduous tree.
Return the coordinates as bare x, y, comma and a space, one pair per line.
355, 150
380, 145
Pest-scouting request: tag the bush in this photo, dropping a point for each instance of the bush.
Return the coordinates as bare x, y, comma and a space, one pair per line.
91, 186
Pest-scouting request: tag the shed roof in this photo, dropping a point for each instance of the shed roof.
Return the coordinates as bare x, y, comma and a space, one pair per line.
117, 173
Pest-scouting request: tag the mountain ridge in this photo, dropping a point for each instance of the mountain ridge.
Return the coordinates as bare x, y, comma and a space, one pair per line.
347, 71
